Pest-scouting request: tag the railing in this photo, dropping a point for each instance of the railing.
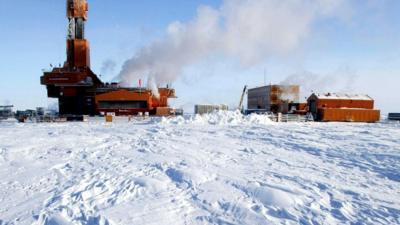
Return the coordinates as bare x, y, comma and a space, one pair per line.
290, 118
279, 117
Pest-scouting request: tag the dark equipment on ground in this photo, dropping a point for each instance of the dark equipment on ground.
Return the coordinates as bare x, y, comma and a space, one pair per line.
6, 112
394, 116
24, 116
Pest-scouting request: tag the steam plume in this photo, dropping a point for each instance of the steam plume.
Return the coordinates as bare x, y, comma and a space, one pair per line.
108, 66
151, 85
246, 30
341, 80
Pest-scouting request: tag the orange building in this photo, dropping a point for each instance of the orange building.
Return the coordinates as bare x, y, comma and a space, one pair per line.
343, 108
130, 101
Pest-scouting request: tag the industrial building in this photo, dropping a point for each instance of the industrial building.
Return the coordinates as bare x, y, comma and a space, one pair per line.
204, 109
273, 98
6, 112
124, 101
343, 108
80, 91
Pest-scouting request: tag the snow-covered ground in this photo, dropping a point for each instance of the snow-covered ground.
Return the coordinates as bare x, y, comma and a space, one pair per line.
216, 169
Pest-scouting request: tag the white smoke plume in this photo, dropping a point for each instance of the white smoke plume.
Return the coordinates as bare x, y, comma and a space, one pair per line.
310, 82
54, 107
342, 80
249, 31
152, 85
108, 66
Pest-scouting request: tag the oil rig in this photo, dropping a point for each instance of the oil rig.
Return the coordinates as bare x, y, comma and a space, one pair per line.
81, 92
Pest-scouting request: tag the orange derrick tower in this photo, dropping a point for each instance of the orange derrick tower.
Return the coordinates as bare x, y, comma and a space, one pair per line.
77, 45
81, 92
74, 84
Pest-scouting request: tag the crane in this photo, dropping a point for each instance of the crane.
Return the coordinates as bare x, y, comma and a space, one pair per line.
242, 98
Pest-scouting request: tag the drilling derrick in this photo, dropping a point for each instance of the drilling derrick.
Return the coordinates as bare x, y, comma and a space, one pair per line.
77, 46
74, 84
80, 92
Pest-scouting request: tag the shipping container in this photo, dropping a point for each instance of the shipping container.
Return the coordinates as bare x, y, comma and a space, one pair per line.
163, 111
348, 115
343, 107
109, 118
316, 101
394, 116
203, 109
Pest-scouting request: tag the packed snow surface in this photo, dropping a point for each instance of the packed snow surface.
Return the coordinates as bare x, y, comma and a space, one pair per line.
221, 168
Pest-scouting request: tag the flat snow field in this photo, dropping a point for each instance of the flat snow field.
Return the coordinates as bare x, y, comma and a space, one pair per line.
215, 169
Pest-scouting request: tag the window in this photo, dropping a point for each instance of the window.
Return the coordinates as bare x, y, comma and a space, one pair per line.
123, 104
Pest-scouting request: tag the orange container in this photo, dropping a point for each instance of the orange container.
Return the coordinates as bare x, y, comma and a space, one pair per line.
348, 115
340, 101
109, 119
163, 111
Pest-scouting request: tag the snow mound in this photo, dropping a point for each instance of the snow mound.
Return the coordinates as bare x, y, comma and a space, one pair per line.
58, 219
275, 197
219, 118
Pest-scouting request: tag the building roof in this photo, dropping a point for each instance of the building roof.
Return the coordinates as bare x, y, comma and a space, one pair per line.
6, 106
275, 85
337, 96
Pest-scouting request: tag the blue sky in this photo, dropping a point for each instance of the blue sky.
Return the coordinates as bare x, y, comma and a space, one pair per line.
358, 53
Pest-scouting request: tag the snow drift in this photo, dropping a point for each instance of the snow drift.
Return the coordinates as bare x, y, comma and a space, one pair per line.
211, 169
219, 118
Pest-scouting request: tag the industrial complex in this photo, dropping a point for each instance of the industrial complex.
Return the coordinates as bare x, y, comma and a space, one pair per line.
81, 92
322, 107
